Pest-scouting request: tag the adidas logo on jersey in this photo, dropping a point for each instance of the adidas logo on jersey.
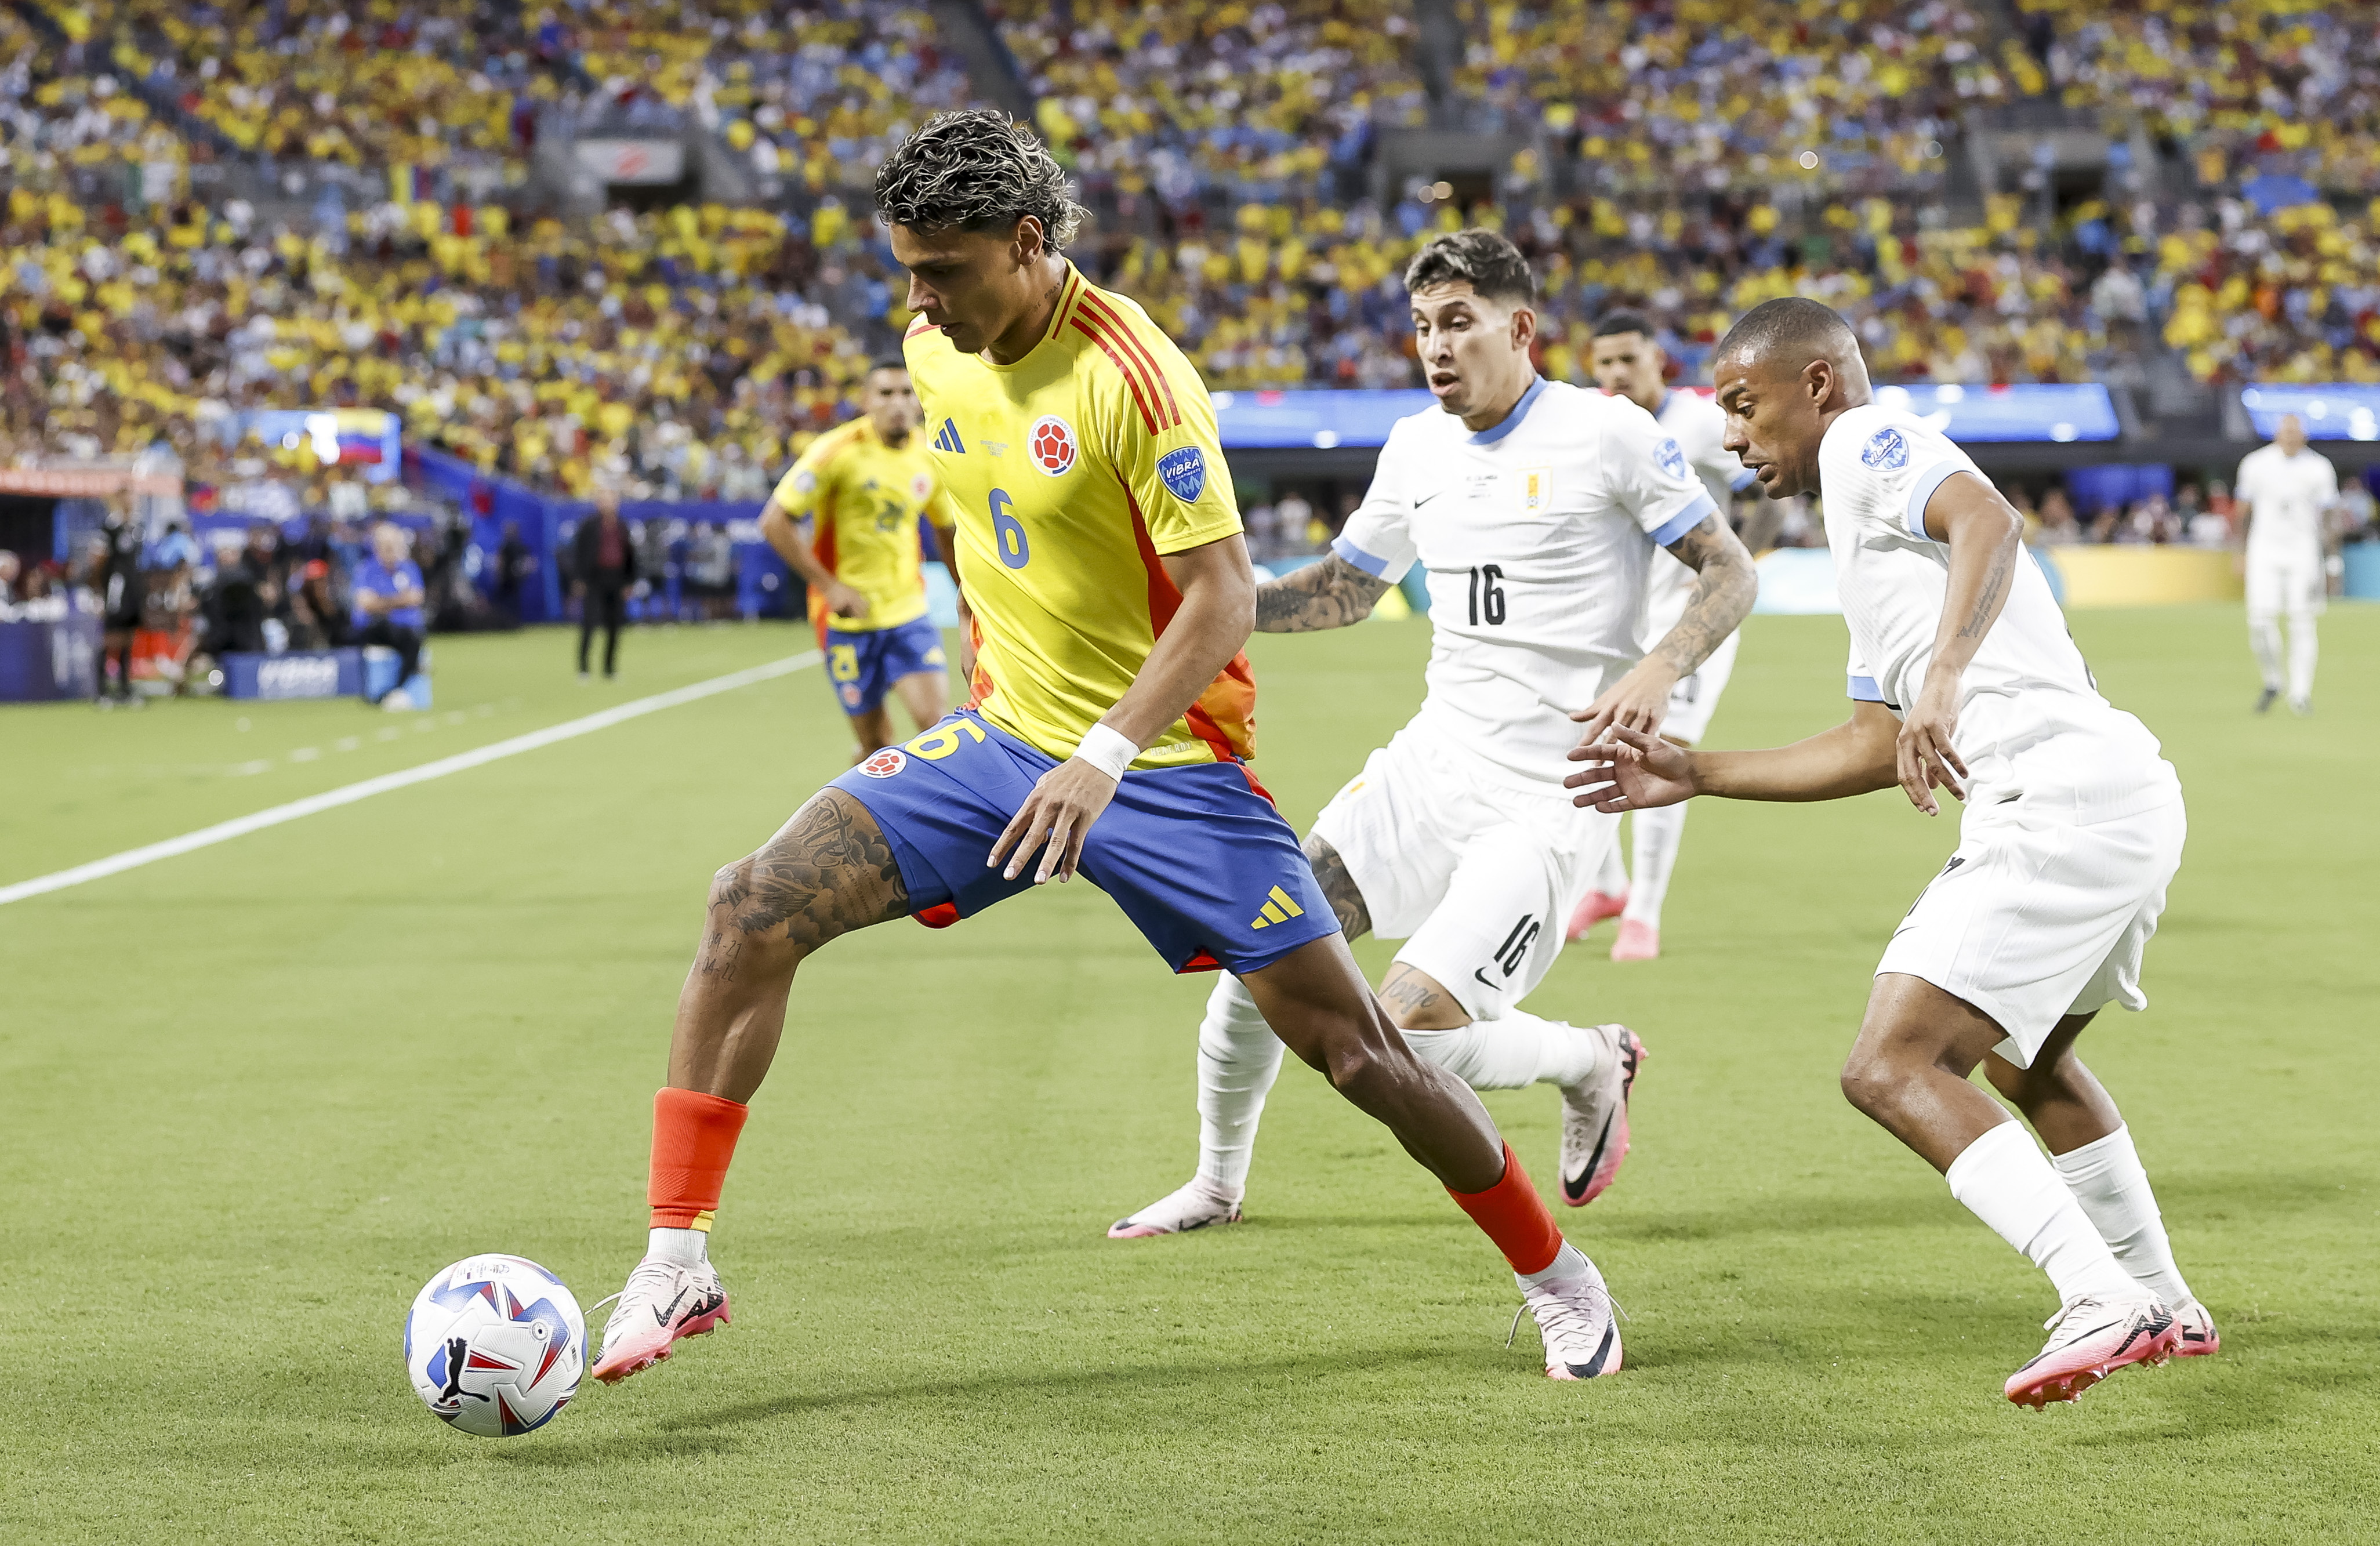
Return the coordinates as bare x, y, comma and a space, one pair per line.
949, 439
1279, 909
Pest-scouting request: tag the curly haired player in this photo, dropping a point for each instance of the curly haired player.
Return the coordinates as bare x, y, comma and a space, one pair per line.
1110, 592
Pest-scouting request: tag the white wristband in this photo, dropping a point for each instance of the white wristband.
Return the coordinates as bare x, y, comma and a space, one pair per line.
1107, 750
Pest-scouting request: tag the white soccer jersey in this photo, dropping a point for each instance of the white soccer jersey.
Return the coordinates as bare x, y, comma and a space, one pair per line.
1697, 424
2286, 496
2030, 720
1536, 536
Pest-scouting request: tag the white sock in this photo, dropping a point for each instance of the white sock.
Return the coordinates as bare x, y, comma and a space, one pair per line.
2107, 1181
687, 1248
1656, 837
1612, 879
1239, 1057
2004, 1180
1568, 1263
2264, 638
2304, 649
1509, 1053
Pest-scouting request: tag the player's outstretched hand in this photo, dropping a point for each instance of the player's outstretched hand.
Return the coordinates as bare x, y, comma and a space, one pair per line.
844, 601
1639, 700
1631, 770
1058, 814
1924, 756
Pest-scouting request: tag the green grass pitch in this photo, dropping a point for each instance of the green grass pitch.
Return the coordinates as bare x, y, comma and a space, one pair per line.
255, 1095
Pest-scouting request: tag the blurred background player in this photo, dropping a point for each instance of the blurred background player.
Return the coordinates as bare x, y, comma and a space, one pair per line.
2073, 828
2284, 493
1628, 362
605, 563
388, 593
116, 574
860, 490
1112, 591
1536, 508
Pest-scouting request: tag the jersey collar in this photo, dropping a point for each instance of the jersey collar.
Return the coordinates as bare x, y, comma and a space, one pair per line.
1512, 420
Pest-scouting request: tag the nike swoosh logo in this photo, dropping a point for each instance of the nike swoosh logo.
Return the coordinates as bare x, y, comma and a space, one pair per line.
662, 1314
1577, 1189
1427, 498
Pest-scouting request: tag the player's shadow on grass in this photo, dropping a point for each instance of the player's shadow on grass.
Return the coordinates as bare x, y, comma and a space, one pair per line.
1144, 1384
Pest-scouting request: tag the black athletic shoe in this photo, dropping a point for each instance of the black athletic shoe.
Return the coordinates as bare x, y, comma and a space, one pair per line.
2266, 698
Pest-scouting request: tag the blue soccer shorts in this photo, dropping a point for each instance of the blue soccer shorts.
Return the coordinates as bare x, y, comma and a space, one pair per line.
862, 666
1196, 857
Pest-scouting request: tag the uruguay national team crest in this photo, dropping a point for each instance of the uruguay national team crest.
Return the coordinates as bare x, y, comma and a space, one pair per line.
1672, 459
1886, 450
885, 763
1185, 471
1051, 444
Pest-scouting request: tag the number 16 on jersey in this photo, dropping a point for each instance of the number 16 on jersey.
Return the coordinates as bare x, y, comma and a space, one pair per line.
1487, 595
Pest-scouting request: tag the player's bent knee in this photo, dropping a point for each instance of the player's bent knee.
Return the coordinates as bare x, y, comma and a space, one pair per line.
1870, 1082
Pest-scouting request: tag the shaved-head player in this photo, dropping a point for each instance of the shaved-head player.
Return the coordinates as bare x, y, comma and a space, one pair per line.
1962, 677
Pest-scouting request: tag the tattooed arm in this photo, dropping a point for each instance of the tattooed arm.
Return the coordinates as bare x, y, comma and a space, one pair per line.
1330, 594
1986, 536
1725, 585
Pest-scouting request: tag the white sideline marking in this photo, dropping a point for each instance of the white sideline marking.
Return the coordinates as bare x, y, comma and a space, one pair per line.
240, 826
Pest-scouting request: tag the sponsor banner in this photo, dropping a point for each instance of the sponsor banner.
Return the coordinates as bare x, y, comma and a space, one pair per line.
300, 673
2329, 411
633, 160
1326, 418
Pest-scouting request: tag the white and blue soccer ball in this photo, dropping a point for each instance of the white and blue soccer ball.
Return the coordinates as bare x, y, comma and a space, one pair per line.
495, 1344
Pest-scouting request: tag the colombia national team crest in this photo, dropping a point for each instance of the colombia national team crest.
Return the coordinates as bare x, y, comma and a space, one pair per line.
1185, 471
1051, 444
885, 763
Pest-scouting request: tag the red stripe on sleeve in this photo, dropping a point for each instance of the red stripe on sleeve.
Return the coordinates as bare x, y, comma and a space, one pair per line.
1094, 302
1125, 370
1129, 348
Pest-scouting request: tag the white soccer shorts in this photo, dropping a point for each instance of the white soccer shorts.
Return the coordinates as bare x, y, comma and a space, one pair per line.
2285, 582
1476, 878
2039, 916
1696, 697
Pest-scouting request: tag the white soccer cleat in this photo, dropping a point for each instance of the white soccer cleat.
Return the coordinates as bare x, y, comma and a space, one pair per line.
664, 1303
1576, 1319
2089, 1340
1595, 1117
1194, 1206
2194, 1333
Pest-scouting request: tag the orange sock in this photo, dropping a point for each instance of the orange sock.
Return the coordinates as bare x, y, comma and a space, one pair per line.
693, 1138
1512, 1214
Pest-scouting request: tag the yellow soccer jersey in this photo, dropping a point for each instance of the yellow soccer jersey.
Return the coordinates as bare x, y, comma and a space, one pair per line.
1068, 475
864, 498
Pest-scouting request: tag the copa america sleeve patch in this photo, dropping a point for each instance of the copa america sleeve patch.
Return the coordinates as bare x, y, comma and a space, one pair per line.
1672, 459
1185, 471
1887, 450
804, 480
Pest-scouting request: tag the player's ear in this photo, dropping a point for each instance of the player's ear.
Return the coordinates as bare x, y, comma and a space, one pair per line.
1819, 379
1524, 328
1027, 245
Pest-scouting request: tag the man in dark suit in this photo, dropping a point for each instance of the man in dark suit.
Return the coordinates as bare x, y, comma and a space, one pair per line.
605, 567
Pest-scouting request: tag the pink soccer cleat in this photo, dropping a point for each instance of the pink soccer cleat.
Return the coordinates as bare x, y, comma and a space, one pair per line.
2194, 1333
1595, 1117
2089, 1340
1597, 907
1638, 941
1192, 1206
664, 1303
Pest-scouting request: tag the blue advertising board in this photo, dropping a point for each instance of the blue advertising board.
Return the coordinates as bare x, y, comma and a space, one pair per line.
1325, 420
2329, 411
300, 673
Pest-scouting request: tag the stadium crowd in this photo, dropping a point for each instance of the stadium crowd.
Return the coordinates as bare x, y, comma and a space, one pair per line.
691, 351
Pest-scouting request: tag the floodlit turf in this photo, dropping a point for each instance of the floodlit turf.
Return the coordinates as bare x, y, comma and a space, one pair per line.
257, 1094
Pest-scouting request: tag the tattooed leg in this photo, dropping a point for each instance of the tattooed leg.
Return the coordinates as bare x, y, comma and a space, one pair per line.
1339, 887
828, 871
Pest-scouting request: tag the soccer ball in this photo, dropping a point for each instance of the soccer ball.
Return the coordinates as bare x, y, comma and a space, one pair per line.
495, 1344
